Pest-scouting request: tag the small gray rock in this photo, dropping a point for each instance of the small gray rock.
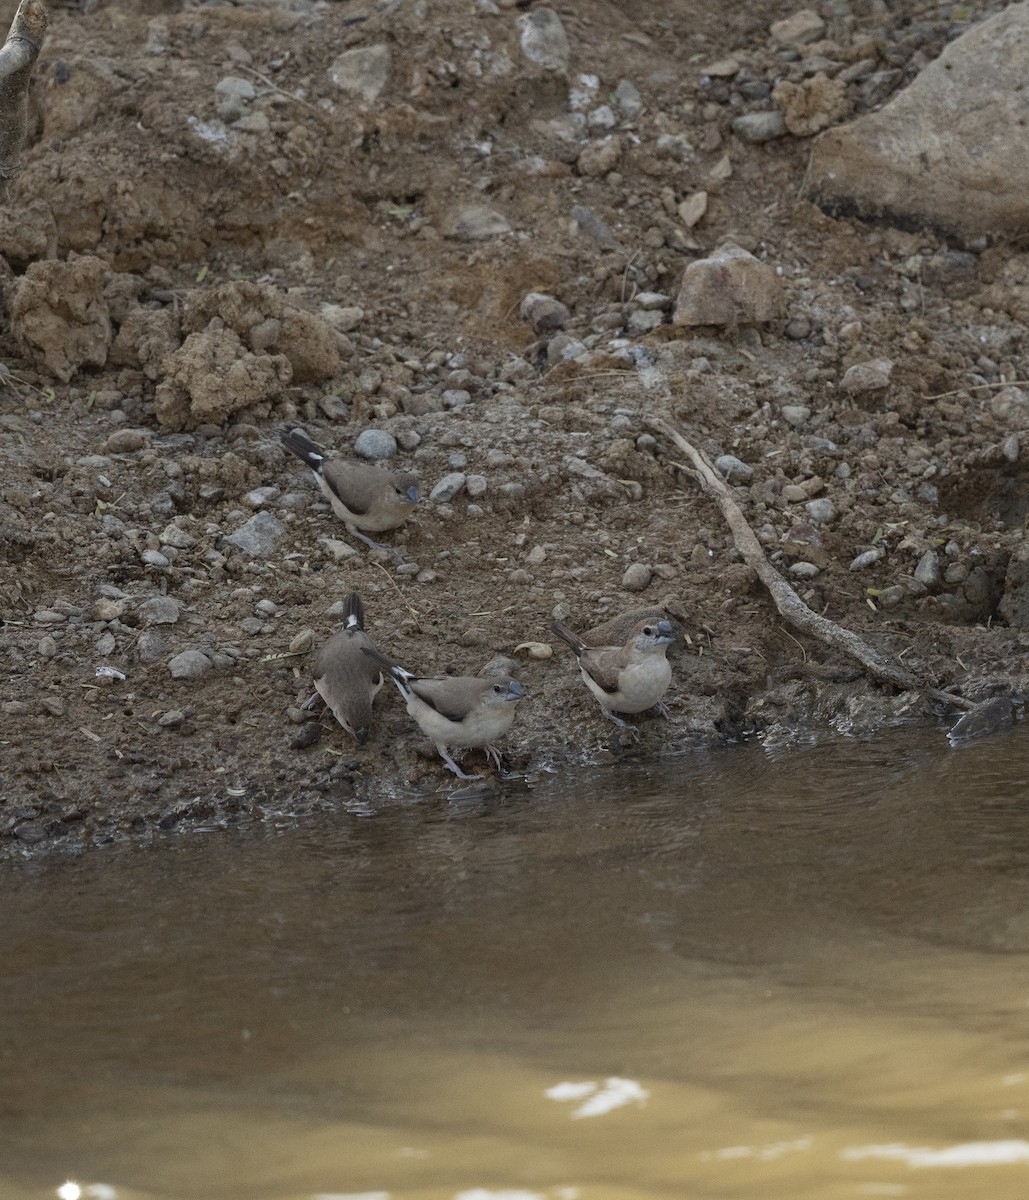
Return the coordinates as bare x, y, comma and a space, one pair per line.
190, 664
760, 126
159, 610
47, 646
867, 559
544, 41
362, 72
822, 511
804, 570
150, 647
154, 558
177, 538
235, 88
798, 29
589, 223
795, 414
637, 577
870, 376
475, 486
261, 496
629, 101
375, 444
54, 705
927, 572
733, 469
562, 347
106, 644
126, 441
258, 536
477, 222
448, 487
544, 313
645, 320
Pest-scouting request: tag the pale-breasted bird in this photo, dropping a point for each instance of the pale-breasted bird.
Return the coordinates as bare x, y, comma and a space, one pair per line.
628, 678
347, 680
366, 497
614, 631
463, 711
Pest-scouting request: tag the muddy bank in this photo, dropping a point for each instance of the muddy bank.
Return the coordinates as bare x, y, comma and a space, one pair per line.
231, 221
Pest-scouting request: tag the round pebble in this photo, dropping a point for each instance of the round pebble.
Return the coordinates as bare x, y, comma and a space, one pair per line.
637, 577
821, 511
804, 570
448, 487
733, 469
375, 444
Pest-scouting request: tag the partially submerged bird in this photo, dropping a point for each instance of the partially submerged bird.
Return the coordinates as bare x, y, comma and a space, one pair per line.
347, 679
630, 677
461, 711
366, 497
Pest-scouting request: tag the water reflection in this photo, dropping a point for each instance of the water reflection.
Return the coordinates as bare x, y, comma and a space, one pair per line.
738, 975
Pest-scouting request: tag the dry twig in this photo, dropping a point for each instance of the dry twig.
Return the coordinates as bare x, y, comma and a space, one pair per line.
791, 608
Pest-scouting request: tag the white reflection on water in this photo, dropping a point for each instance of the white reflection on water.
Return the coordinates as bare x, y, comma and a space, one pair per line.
968, 1154
351, 1196
616, 1093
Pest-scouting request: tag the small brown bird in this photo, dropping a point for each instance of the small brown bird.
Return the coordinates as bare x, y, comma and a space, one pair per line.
347, 680
627, 678
364, 496
464, 711
614, 631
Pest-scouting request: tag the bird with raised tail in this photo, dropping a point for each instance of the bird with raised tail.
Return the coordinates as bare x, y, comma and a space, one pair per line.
367, 498
346, 679
627, 678
466, 712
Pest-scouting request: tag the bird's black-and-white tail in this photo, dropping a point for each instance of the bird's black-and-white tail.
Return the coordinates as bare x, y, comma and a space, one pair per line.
399, 676
566, 635
353, 611
301, 445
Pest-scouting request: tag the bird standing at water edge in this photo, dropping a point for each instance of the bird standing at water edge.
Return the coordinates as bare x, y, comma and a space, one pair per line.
347, 679
364, 496
464, 711
629, 678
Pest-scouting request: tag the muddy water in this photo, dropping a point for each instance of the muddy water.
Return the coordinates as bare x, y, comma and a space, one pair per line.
794, 973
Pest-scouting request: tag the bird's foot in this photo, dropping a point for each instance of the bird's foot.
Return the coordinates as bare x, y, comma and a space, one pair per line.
622, 724
663, 710
452, 766
310, 702
389, 552
493, 755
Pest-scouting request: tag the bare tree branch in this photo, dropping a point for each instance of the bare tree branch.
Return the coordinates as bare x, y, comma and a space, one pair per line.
19, 52
786, 600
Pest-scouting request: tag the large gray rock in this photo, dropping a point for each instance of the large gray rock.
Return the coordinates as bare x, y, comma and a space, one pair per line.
730, 287
258, 536
950, 150
1014, 604
362, 72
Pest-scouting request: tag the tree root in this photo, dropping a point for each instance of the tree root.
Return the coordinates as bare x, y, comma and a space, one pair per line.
791, 607
19, 52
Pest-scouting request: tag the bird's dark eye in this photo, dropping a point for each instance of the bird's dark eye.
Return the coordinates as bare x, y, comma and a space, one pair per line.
497, 688
648, 631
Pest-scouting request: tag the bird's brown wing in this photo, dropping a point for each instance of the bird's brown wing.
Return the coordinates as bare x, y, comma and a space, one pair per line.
355, 484
340, 659
603, 666
451, 698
